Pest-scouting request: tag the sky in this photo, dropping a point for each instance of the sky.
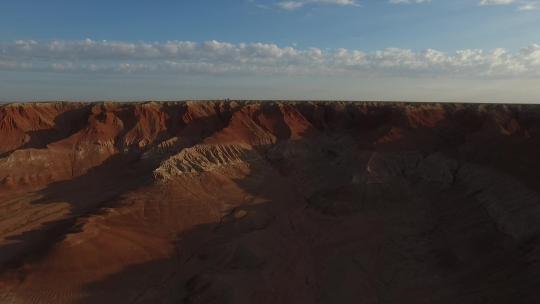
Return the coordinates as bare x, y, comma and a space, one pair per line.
410, 50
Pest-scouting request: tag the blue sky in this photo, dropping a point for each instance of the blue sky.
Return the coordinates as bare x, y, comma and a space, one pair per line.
447, 50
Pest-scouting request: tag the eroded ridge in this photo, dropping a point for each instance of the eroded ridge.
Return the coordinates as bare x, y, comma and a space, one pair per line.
269, 202
202, 158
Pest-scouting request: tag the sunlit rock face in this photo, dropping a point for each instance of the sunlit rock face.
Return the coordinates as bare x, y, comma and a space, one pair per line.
269, 202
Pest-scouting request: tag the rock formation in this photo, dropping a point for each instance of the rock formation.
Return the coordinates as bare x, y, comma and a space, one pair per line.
269, 202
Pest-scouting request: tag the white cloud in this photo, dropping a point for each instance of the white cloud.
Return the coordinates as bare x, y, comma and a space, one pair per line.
496, 2
292, 5
408, 1
221, 58
528, 6
522, 5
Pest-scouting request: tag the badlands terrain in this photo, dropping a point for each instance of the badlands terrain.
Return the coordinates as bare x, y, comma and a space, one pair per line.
269, 202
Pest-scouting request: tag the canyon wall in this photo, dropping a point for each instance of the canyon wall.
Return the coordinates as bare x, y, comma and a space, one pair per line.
269, 202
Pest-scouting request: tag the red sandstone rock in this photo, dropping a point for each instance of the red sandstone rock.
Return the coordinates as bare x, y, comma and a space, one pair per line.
269, 202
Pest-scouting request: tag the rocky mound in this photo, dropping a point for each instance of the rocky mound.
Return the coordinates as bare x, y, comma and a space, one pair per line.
269, 202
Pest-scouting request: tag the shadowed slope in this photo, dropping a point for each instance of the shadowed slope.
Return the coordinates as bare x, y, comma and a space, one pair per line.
277, 202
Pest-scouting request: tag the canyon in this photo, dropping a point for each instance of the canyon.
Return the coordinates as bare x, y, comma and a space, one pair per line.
269, 202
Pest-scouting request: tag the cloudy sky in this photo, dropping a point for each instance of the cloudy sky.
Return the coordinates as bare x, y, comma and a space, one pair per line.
425, 50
